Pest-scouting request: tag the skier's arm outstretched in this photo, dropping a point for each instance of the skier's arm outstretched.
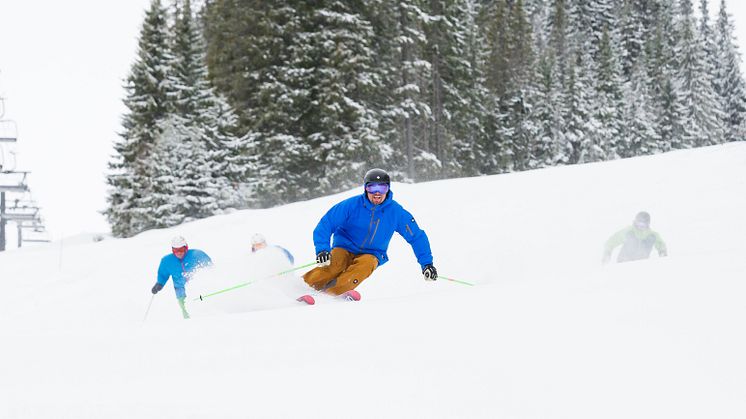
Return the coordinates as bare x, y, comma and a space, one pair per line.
329, 223
660, 245
617, 239
417, 238
163, 275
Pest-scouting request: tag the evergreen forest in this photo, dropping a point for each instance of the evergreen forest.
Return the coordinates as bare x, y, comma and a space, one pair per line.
237, 104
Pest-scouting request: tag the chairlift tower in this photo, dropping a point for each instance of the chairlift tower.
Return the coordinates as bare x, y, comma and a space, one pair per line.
22, 213
8, 131
17, 214
8, 127
4, 215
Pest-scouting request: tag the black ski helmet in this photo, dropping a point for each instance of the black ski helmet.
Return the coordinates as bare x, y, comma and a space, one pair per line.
376, 176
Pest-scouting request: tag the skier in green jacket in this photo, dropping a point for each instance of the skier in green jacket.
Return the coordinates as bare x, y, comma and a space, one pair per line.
637, 241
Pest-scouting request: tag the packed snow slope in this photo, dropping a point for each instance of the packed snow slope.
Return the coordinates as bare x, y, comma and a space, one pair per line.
547, 331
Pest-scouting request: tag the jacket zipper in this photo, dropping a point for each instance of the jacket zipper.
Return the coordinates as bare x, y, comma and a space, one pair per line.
378, 221
370, 226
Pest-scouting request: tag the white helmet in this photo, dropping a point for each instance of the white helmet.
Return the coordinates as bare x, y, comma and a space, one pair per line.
258, 239
178, 242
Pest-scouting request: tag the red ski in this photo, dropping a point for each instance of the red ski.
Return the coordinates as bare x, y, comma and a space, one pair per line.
306, 299
350, 295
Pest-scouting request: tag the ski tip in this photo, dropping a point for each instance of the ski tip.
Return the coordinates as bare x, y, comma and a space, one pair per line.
351, 295
306, 299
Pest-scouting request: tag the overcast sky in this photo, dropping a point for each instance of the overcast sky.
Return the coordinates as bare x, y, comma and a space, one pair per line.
62, 66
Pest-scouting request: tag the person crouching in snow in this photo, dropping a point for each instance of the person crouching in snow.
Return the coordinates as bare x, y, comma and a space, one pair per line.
637, 241
180, 265
258, 242
362, 227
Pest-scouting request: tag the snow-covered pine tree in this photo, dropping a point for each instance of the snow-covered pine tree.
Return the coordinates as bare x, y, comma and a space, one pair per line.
631, 37
729, 83
338, 57
147, 106
454, 86
541, 149
497, 146
607, 137
551, 145
578, 93
577, 110
710, 63
552, 112
647, 11
638, 130
588, 18
250, 47
235, 56
183, 174
314, 129
661, 70
511, 79
192, 174
538, 14
603, 15
278, 102
559, 39
708, 42
469, 117
399, 27
232, 153
638, 135
226, 145
437, 31
702, 120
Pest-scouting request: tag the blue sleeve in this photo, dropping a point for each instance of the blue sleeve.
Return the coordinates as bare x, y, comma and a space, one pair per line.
407, 227
329, 223
202, 258
288, 254
163, 273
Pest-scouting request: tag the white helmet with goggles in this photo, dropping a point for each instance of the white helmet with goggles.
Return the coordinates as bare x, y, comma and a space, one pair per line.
178, 242
258, 239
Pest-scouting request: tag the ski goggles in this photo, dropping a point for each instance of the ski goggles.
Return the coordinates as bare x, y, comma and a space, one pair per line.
375, 188
179, 250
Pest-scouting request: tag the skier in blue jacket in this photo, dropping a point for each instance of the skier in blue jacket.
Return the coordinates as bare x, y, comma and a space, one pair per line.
362, 227
180, 265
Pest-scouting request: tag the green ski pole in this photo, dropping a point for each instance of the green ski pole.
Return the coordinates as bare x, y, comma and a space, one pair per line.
456, 280
202, 297
148, 310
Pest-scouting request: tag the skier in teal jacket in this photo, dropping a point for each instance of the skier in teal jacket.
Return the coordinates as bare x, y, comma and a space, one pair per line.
180, 265
637, 241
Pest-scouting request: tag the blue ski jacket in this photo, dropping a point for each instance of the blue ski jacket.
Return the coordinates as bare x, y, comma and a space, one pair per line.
181, 270
360, 227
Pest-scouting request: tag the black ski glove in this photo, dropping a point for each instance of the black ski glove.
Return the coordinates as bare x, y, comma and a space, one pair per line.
323, 258
157, 287
430, 273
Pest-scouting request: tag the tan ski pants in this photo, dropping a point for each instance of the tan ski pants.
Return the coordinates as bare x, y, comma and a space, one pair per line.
349, 269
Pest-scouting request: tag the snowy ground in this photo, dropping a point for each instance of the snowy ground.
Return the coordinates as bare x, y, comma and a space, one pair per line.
547, 332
